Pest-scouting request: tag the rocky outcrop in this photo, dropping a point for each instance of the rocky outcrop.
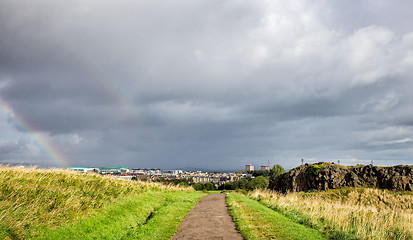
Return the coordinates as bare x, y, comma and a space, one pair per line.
323, 176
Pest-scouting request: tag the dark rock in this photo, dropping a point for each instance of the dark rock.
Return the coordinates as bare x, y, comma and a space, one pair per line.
323, 176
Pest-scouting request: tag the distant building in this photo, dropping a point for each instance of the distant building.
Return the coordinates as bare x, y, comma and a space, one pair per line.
113, 170
147, 171
84, 169
265, 168
249, 167
176, 172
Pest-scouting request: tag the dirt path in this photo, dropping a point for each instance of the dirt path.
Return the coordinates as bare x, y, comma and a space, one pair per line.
209, 219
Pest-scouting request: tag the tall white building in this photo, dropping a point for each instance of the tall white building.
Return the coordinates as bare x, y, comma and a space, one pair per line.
249, 167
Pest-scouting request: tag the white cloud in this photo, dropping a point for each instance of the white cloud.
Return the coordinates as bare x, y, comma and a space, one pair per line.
369, 54
192, 113
392, 142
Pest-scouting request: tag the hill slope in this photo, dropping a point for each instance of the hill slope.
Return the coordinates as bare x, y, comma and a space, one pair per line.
37, 201
347, 213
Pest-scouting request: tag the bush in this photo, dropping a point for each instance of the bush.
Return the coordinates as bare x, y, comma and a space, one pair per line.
198, 186
209, 186
258, 182
246, 184
315, 169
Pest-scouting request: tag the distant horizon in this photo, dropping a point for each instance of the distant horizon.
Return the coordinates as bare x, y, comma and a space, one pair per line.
196, 169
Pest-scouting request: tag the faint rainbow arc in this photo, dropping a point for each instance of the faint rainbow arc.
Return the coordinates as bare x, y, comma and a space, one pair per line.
40, 140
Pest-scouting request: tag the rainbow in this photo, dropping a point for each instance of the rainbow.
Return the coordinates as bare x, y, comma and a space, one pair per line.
123, 99
38, 137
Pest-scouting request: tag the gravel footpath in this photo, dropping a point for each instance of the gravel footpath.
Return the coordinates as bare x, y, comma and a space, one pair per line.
209, 219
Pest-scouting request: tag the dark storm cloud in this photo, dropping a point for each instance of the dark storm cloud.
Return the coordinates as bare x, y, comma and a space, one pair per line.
210, 84
12, 147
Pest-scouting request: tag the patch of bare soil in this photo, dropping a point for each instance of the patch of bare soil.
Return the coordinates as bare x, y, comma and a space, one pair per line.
209, 219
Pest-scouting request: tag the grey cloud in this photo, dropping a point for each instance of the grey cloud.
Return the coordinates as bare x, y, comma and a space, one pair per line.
210, 83
12, 147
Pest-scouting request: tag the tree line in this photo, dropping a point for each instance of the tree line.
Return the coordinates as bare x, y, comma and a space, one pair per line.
259, 179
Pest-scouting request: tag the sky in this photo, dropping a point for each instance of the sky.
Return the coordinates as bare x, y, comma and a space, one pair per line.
208, 84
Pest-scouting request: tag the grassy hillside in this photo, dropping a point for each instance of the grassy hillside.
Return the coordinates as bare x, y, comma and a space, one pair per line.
150, 215
52, 203
348, 213
256, 221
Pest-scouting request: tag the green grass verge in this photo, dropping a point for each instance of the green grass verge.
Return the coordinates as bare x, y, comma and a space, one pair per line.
151, 215
31, 199
256, 221
164, 223
33, 202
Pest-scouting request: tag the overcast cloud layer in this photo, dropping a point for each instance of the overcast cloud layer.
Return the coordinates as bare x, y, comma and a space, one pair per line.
207, 84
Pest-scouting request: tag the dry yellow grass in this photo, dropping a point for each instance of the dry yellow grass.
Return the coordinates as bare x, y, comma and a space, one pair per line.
32, 198
360, 212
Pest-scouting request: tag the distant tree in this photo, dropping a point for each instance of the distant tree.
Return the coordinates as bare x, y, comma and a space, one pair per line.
209, 186
242, 183
232, 185
161, 179
264, 173
227, 186
134, 178
190, 181
198, 186
177, 181
247, 183
258, 182
276, 171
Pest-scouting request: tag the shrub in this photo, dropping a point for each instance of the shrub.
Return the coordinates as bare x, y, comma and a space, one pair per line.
315, 169
258, 182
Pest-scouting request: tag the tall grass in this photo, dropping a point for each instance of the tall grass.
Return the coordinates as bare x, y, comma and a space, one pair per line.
361, 213
37, 198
